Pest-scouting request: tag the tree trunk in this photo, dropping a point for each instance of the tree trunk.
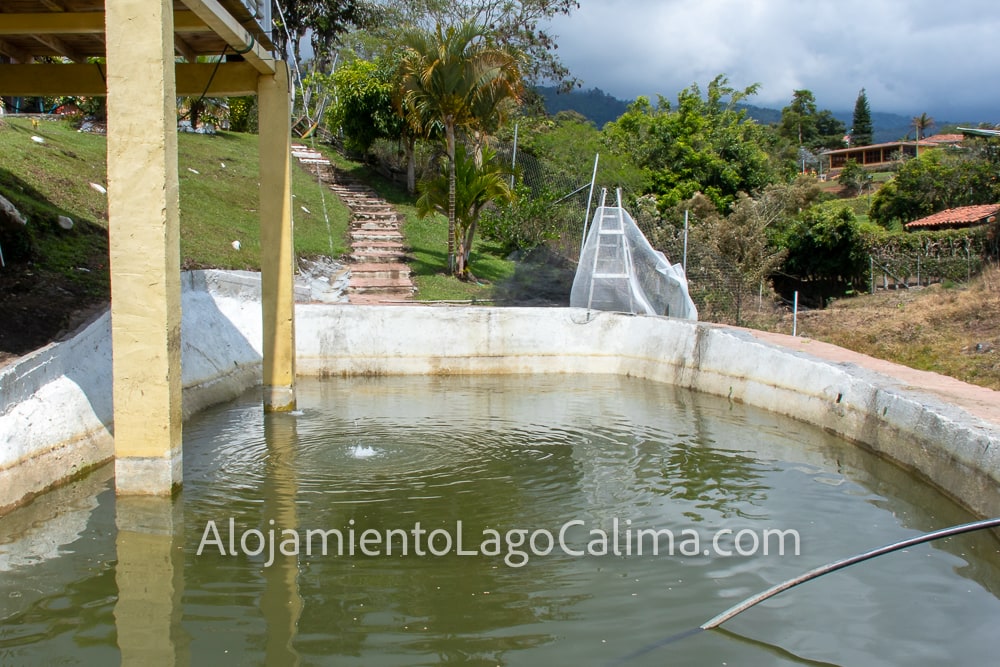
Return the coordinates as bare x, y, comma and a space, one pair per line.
411, 164
194, 114
465, 250
450, 135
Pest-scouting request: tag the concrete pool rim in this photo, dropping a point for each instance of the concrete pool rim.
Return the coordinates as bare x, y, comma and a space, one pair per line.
56, 408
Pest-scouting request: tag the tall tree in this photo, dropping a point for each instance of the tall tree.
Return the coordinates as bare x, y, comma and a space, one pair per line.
706, 145
830, 130
364, 108
921, 124
861, 134
323, 21
804, 125
447, 74
798, 119
517, 24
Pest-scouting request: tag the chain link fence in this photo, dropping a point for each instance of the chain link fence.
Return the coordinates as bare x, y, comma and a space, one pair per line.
717, 289
902, 271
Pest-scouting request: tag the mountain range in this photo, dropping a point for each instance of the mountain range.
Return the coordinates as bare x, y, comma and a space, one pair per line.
601, 108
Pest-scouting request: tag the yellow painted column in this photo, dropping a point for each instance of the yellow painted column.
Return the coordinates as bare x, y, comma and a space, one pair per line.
149, 573
144, 237
277, 262
281, 600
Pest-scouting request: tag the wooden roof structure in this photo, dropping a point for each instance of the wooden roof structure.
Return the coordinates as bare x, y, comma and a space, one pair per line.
73, 31
142, 55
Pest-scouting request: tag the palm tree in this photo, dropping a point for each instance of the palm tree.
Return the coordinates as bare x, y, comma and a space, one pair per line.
922, 123
475, 186
447, 75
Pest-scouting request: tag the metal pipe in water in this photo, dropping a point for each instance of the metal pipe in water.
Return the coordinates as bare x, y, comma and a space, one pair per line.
753, 601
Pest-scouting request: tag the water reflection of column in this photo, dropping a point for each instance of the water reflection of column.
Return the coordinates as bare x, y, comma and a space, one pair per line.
150, 579
281, 603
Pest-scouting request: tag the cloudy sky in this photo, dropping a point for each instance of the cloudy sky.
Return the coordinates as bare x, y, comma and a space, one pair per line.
911, 56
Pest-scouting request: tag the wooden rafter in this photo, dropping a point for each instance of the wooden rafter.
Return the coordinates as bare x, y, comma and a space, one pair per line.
82, 23
13, 52
216, 80
235, 35
184, 49
60, 47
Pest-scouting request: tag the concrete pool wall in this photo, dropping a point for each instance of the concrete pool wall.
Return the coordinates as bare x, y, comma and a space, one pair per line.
55, 404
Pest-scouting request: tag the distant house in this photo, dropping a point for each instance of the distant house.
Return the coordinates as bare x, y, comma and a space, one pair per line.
876, 155
956, 218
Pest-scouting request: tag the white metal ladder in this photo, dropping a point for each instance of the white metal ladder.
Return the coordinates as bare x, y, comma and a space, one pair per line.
612, 248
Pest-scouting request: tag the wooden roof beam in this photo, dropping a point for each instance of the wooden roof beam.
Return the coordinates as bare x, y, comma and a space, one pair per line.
60, 47
184, 49
47, 80
82, 23
236, 36
14, 52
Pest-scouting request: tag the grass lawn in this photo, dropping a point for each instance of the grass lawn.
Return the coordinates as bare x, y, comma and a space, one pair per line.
218, 177
54, 277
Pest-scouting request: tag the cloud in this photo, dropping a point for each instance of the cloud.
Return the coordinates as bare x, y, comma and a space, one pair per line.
909, 59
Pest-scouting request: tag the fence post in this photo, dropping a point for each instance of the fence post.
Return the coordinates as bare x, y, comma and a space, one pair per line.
795, 315
918, 270
513, 158
871, 270
684, 263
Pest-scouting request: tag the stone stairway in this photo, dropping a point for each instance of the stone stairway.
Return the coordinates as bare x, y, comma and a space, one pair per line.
379, 274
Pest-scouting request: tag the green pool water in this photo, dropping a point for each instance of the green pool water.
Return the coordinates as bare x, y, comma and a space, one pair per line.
553, 485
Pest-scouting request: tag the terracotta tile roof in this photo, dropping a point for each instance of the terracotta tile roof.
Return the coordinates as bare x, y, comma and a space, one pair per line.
963, 216
943, 139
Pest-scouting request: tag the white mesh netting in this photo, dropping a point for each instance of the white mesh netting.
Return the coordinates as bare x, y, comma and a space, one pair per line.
620, 271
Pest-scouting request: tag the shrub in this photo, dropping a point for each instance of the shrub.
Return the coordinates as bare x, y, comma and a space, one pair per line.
530, 220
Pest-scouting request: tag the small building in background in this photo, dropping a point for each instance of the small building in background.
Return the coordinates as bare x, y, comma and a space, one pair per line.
956, 218
876, 155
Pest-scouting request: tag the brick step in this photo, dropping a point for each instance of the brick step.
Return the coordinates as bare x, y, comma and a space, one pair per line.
371, 211
374, 225
399, 286
350, 191
361, 203
367, 245
379, 270
390, 218
375, 235
378, 257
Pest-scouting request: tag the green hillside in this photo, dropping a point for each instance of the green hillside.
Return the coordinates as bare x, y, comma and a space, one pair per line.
52, 170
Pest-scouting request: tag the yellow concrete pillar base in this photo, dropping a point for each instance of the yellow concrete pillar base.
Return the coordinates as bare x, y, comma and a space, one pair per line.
148, 475
279, 399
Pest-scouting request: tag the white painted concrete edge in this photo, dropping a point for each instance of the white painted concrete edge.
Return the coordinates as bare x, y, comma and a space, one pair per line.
55, 406
56, 409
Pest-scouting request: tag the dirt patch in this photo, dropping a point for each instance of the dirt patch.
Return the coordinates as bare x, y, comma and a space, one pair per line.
954, 331
38, 307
